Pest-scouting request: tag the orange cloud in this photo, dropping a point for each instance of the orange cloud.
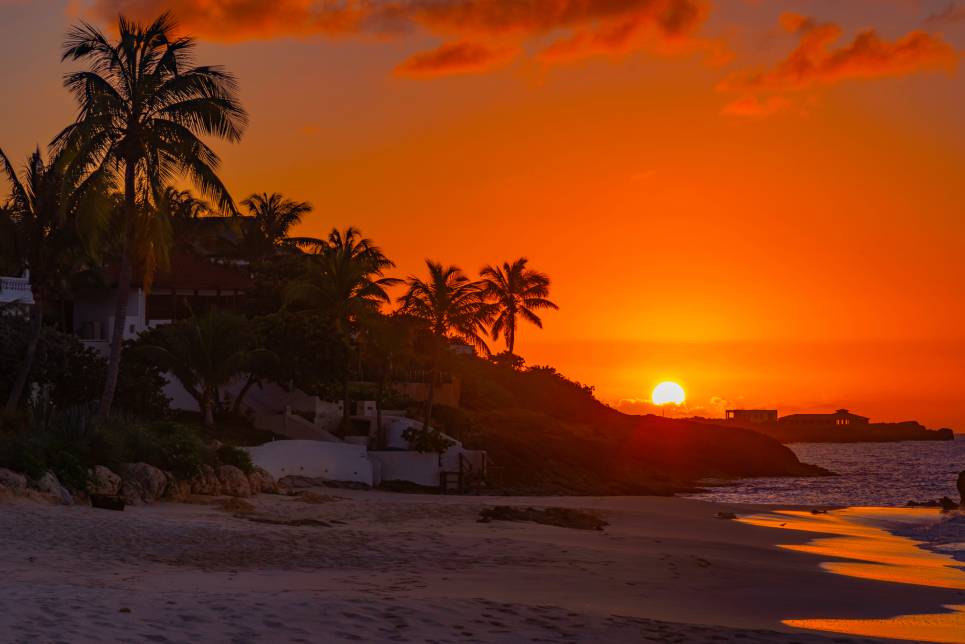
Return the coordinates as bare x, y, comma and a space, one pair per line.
754, 107
580, 27
815, 61
454, 58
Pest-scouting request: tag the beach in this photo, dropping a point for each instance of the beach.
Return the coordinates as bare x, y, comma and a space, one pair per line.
345, 565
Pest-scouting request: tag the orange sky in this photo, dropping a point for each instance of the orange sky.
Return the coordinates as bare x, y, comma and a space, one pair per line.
760, 199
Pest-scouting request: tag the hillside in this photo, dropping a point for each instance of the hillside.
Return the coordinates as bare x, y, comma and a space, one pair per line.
548, 434
870, 433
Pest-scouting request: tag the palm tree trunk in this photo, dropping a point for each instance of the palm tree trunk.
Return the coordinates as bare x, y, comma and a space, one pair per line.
236, 409
123, 290
36, 328
433, 375
346, 404
379, 395
207, 404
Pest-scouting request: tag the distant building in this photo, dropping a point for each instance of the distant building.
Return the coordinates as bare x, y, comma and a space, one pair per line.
840, 418
191, 284
15, 293
752, 415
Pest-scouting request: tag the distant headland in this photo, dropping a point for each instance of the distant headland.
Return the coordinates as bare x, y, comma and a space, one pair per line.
840, 426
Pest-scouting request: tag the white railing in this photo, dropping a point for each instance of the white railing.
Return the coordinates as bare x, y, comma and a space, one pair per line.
16, 289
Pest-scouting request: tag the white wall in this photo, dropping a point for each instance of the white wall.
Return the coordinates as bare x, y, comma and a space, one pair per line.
97, 306
414, 467
314, 459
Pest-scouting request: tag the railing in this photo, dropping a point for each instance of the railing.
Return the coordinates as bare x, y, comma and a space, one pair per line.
16, 289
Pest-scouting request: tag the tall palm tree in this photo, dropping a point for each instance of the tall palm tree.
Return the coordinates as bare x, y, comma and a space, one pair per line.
143, 108
518, 292
272, 217
42, 231
453, 307
345, 280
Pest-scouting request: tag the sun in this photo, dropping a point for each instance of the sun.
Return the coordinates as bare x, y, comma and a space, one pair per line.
668, 393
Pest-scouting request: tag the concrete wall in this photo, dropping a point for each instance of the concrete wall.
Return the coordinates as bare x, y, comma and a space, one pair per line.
94, 316
315, 459
422, 469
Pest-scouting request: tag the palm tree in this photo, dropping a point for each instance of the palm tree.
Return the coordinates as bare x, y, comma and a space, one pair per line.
272, 217
205, 353
387, 342
143, 108
41, 232
344, 280
518, 292
453, 307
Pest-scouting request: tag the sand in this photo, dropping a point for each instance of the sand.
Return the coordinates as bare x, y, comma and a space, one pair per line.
382, 567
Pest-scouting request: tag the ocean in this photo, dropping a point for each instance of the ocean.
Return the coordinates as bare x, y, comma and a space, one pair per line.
870, 474
875, 474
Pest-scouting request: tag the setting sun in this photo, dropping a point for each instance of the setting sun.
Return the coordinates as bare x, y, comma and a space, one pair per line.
668, 393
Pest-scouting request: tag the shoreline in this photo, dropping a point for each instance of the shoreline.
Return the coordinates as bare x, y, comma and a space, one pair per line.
393, 567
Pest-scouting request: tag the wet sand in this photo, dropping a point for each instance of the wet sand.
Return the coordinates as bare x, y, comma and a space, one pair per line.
381, 567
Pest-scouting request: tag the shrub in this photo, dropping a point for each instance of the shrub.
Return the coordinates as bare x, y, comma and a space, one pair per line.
231, 455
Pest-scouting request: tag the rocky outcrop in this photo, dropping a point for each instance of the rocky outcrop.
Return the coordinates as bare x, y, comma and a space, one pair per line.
50, 485
12, 481
233, 482
262, 482
961, 488
103, 481
206, 482
142, 483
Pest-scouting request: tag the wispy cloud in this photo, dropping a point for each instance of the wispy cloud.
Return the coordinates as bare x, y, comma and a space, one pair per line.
819, 60
953, 13
468, 28
455, 58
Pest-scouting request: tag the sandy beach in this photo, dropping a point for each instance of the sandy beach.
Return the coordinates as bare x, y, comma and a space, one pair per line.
376, 566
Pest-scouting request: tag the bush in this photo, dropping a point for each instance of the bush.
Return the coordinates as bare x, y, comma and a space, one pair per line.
231, 455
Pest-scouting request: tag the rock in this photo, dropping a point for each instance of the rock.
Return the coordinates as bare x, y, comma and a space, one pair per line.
262, 482
142, 483
727, 516
48, 484
177, 490
961, 488
12, 481
206, 482
103, 482
233, 481
947, 504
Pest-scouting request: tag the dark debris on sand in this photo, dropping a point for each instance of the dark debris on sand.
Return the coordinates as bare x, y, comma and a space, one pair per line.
561, 517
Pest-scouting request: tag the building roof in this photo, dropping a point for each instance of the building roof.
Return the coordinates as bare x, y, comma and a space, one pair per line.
841, 413
189, 272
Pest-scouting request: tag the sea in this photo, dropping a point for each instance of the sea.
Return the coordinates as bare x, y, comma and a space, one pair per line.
869, 474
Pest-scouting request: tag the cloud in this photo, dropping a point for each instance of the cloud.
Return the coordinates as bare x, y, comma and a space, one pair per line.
455, 58
575, 28
815, 60
754, 107
953, 13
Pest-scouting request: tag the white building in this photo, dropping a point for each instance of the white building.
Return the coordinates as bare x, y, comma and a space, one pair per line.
15, 292
191, 284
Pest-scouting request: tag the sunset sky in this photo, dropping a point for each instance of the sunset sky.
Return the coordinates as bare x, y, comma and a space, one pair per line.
763, 200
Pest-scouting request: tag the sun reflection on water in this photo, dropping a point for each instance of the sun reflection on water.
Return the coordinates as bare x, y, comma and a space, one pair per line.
871, 552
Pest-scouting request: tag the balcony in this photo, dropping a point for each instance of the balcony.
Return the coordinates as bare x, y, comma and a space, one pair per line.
16, 290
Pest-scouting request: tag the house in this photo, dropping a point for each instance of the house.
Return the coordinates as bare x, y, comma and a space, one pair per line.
840, 418
756, 416
190, 284
15, 292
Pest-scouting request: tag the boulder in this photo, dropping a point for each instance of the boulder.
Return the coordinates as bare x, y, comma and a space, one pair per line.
12, 481
178, 490
233, 481
206, 482
103, 481
961, 488
48, 484
262, 482
142, 483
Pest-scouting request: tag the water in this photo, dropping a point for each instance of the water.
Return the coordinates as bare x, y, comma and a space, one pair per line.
871, 474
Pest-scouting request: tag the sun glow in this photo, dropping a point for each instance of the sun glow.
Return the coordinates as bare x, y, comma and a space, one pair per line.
668, 393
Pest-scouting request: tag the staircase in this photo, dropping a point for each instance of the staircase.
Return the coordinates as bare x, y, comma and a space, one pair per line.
467, 479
